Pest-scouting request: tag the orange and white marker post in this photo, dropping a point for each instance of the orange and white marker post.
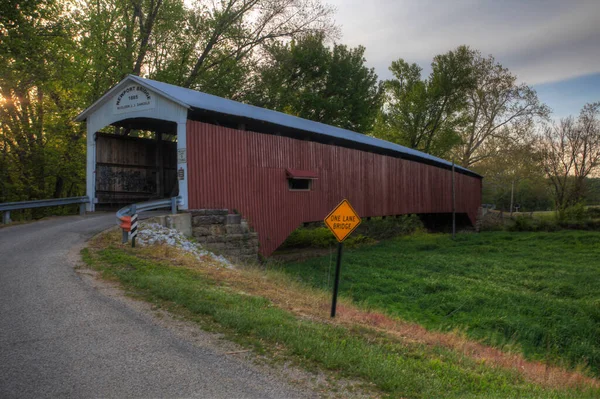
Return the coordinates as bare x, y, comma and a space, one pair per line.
342, 221
129, 224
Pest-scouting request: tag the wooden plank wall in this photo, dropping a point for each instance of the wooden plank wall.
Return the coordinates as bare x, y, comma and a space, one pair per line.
245, 171
127, 169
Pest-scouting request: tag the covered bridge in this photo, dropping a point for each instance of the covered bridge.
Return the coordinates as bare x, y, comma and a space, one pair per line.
277, 170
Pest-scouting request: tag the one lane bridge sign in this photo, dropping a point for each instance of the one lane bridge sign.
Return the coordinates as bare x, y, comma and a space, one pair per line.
343, 220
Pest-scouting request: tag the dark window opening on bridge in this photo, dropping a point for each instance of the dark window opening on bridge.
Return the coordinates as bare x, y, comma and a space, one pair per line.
299, 184
300, 180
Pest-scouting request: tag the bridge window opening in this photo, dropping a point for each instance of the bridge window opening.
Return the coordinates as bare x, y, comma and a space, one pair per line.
300, 180
299, 184
136, 161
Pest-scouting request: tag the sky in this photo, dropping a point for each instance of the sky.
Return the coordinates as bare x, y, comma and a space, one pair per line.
552, 45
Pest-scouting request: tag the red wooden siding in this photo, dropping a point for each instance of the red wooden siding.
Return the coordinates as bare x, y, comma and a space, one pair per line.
246, 171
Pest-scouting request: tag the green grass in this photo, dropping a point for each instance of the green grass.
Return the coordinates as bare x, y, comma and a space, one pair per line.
538, 293
395, 368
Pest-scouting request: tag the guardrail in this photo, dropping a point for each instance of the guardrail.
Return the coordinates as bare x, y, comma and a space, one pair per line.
130, 210
6, 207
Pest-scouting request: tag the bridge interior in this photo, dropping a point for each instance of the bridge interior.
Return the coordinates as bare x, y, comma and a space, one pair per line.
136, 160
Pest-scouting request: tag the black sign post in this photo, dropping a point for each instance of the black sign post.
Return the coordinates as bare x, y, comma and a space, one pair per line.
342, 221
336, 282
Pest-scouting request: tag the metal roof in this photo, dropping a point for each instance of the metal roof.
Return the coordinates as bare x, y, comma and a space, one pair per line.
196, 99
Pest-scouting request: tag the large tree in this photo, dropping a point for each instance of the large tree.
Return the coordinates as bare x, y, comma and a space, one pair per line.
200, 44
515, 175
498, 108
326, 84
426, 114
571, 153
41, 148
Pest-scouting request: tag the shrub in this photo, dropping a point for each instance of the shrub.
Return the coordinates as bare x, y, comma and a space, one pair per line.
547, 225
593, 212
576, 213
320, 237
523, 223
367, 232
379, 228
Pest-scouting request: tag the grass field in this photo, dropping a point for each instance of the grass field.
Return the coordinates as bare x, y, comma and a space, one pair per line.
537, 293
277, 316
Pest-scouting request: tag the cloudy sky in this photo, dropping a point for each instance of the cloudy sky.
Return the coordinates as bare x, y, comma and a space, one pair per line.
553, 45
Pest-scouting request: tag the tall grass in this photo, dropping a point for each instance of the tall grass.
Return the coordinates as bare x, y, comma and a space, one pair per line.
537, 293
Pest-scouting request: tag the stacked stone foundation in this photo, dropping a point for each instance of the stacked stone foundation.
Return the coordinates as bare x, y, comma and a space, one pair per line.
225, 234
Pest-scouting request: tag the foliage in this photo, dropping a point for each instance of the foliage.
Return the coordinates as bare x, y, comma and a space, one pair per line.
514, 177
57, 57
329, 85
382, 228
199, 44
499, 112
534, 292
398, 369
366, 233
426, 114
576, 213
319, 237
525, 223
41, 150
570, 153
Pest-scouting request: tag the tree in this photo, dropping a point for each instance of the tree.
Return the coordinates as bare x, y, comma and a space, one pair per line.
126, 37
497, 108
571, 153
232, 29
41, 148
329, 85
205, 45
426, 114
514, 175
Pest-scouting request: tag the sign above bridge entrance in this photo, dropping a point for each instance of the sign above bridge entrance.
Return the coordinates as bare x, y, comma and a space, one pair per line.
133, 98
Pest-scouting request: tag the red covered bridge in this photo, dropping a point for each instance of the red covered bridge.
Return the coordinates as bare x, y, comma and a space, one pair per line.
277, 170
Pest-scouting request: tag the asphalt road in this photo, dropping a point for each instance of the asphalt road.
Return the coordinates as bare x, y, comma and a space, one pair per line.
61, 337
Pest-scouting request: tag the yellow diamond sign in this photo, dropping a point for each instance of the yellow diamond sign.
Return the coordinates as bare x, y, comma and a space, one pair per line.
343, 220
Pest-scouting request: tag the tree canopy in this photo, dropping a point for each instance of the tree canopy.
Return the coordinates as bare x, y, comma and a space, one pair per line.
310, 80
425, 114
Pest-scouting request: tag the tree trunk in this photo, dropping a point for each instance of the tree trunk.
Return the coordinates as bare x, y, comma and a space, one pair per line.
512, 196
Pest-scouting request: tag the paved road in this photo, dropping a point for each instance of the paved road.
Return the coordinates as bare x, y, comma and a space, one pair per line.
61, 337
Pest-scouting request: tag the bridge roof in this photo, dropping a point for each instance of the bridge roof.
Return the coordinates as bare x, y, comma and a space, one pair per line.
193, 99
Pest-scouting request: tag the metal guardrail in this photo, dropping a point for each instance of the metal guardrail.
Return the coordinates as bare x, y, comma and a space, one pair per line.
129, 210
124, 215
6, 207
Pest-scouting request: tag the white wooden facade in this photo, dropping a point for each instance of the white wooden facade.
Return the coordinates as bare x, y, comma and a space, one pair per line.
130, 99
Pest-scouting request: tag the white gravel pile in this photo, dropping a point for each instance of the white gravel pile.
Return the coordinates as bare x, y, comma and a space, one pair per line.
154, 233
